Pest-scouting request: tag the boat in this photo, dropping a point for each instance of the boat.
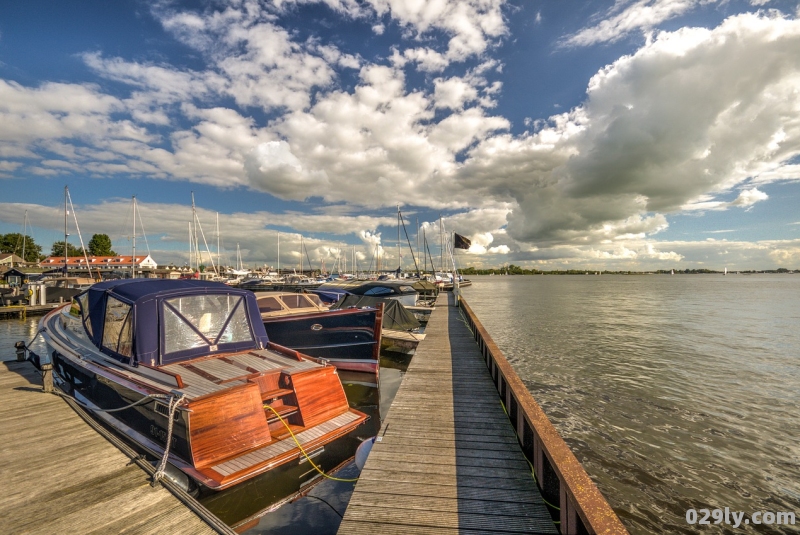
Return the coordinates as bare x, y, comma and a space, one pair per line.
349, 338
417, 296
402, 331
185, 369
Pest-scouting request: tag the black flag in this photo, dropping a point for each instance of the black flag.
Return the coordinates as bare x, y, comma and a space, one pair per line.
461, 242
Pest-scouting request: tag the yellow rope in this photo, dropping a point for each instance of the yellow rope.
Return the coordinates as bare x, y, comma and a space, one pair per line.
317, 468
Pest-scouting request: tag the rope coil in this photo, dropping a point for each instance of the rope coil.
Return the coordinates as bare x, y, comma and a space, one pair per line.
162, 466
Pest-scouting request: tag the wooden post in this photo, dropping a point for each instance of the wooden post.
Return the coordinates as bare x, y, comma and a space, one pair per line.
47, 377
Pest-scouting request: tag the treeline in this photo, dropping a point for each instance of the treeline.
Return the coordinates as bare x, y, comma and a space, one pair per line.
511, 269
14, 242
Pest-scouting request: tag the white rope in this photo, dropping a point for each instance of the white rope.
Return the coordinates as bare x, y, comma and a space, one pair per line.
173, 406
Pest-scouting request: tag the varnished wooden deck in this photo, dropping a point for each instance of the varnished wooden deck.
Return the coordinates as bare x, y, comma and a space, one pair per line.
448, 460
60, 476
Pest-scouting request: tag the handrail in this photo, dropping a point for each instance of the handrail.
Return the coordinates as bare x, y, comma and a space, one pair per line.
582, 507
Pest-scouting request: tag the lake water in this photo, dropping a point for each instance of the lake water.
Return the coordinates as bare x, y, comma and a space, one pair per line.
675, 392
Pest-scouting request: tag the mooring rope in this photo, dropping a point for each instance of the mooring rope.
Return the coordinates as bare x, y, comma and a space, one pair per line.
317, 468
162, 467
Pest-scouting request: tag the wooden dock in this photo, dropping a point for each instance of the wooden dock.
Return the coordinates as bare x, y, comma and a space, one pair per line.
61, 476
447, 459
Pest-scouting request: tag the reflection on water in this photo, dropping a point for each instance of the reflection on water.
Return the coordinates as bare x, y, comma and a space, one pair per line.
674, 392
247, 506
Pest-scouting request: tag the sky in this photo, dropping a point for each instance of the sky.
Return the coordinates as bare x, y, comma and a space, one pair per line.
617, 135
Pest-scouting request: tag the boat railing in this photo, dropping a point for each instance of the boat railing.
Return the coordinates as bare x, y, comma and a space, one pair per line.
564, 483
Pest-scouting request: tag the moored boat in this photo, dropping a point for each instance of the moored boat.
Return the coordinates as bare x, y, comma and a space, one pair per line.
185, 369
349, 338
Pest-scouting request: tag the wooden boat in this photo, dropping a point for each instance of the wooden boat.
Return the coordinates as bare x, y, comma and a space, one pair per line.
349, 338
189, 372
401, 332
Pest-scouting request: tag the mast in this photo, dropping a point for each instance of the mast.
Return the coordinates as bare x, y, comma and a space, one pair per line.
66, 212
219, 256
195, 245
24, 235
133, 241
301, 254
279, 253
399, 257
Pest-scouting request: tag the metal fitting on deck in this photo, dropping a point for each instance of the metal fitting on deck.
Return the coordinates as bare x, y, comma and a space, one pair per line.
21, 351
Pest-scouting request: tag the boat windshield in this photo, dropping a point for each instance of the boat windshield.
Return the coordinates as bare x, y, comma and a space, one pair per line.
204, 320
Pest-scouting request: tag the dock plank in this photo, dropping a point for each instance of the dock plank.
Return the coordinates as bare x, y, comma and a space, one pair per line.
61, 476
447, 460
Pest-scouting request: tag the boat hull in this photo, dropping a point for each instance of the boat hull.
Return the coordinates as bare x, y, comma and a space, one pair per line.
346, 338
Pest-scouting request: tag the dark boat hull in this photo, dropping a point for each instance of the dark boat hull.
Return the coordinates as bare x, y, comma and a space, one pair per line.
346, 338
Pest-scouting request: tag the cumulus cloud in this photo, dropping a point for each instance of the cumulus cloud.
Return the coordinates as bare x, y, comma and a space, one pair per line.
681, 120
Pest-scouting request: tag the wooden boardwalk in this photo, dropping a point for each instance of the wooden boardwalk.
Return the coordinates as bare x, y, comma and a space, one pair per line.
61, 476
447, 459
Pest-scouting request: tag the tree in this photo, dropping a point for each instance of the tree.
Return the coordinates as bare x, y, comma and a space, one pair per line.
100, 245
58, 249
12, 243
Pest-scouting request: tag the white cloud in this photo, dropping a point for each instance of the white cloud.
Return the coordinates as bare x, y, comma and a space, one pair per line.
749, 197
690, 116
641, 15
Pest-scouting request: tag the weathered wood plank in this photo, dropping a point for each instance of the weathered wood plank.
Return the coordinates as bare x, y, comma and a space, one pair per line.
448, 460
60, 476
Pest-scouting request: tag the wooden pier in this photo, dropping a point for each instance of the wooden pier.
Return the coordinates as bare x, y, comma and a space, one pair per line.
61, 476
460, 445
23, 311
447, 460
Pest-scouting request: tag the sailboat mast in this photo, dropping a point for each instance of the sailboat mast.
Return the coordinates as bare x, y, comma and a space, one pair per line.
219, 256
399, 257
66, 212
133, 241
24, 234
279, 253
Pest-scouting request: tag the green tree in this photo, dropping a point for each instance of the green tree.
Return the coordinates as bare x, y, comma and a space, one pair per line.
58, 249
13, 242
100, 245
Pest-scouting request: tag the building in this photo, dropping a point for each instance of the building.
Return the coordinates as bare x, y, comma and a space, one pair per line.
100, 263
10, 259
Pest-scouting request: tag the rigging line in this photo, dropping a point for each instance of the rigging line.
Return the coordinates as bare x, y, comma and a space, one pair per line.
141, 224
414, 258
80, 238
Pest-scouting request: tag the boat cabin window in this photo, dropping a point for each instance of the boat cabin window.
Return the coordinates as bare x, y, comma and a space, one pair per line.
269, 304
117, 334
296, 301
314, 298
83, 305
204, 321
379, 290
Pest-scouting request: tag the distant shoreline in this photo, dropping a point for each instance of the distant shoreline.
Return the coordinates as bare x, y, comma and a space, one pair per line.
514, 270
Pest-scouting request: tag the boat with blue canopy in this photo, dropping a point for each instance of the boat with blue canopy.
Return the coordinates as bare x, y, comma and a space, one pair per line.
185, 369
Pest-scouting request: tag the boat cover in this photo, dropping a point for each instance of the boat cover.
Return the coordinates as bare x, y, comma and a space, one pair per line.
148, 337
395, 315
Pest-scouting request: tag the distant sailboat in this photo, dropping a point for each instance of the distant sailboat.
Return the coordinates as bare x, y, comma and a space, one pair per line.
725, 272
671, 271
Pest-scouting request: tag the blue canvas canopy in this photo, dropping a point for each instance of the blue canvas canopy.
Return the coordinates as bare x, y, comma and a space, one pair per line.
154, 321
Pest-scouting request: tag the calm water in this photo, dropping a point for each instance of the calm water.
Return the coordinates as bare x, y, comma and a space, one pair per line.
675, 392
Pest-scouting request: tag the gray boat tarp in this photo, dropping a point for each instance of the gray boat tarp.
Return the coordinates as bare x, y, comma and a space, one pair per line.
395, 315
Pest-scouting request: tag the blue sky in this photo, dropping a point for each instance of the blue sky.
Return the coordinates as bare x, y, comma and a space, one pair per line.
617, 135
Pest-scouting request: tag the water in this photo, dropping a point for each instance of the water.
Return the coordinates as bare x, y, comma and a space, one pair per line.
675, 392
